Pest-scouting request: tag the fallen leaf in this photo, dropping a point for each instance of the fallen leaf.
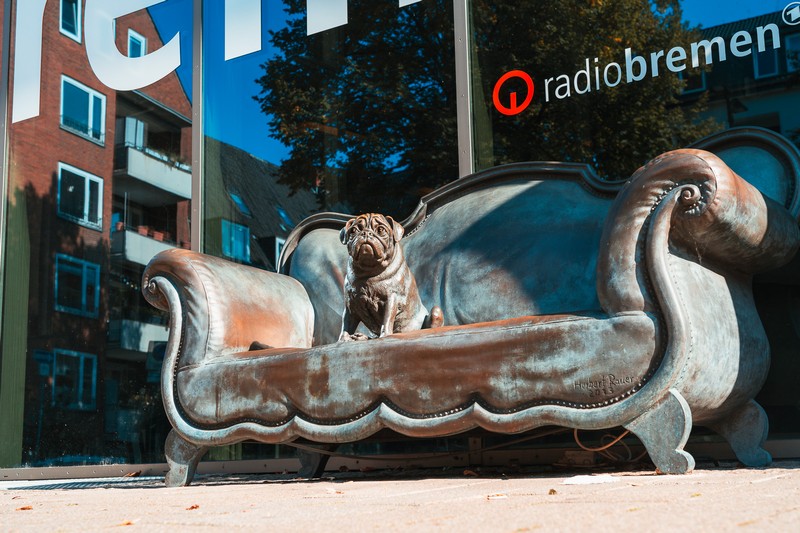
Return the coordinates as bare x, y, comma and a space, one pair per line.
470, 473
552, 492
133, 474
126, 523
26, 508
193, 507
497, 497
696, 495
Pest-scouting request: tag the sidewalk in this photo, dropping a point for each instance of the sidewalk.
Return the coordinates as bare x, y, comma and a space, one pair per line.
713, 498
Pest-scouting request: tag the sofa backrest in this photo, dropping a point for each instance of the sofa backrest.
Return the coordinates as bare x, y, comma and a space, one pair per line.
513, 241
521, 239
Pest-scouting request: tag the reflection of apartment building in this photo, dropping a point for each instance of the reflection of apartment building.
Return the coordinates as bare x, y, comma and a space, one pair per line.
251, 216
103, 181
757, 89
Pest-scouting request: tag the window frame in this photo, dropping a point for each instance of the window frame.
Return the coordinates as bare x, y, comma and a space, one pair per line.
79, 390
88, 178
91, 94
229, 230
789, 50
134, 35
760, 76
66, 264
77, 37
685, 77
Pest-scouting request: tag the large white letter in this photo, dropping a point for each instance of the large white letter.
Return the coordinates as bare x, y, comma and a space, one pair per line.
325, 14
114, 69
27, 59
242, 27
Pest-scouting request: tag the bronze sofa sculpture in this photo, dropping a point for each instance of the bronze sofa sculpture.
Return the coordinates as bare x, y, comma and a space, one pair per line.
567, 301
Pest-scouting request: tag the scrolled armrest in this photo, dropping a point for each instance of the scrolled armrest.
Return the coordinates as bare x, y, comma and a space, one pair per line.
725, 223
226, 306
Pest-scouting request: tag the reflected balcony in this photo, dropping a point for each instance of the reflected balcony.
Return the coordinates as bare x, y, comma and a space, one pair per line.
133, 340
150, 178
138, 245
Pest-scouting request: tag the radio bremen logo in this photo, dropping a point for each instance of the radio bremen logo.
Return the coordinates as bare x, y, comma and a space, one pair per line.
594, 76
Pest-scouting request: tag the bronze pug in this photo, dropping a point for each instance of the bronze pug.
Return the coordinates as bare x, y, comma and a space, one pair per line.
380, 290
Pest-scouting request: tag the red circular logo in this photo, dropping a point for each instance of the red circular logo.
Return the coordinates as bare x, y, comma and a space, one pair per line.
514, 108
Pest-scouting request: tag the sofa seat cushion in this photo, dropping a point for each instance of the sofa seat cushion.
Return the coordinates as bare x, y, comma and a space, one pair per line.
578, 361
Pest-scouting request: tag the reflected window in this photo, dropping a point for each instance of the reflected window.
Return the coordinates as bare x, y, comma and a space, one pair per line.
695, 82
286, 221
133, 131
83, 110
793, 53
70, 14
74, 377
240, 203
77, 286
137, 44
235, 241
765, 63
80, 196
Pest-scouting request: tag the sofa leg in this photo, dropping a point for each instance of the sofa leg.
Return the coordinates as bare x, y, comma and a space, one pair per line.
746, 430
182, 458
664, 430
312, 465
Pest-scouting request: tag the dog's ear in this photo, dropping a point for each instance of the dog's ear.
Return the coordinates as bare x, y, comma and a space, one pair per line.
345, 229
397, 229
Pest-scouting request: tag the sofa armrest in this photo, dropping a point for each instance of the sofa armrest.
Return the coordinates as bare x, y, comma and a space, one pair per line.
224, 306
726, 224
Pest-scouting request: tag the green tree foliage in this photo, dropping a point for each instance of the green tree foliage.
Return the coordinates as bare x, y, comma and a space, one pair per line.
368, 110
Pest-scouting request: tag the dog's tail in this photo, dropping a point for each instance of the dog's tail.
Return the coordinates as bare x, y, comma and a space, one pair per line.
434, 319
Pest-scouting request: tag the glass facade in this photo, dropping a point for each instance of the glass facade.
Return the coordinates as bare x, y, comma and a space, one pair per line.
98, 180
306, 106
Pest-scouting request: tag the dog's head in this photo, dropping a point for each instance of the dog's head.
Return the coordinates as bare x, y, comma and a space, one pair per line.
372, 241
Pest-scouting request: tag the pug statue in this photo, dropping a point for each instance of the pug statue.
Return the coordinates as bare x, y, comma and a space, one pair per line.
380, 290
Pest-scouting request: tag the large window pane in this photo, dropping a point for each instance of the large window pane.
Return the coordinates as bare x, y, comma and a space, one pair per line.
358, 117
615, 83
86, 211
585, 85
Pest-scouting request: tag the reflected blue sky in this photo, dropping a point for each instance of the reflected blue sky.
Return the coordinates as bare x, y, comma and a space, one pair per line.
231, 114
709, 13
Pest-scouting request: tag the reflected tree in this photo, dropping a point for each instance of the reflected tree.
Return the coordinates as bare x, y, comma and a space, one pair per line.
368, 110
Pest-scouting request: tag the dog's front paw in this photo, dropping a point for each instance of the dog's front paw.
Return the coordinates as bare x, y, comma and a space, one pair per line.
346, 337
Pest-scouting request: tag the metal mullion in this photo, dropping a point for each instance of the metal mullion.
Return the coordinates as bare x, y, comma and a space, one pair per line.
4, 81
466, 149
198, 156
